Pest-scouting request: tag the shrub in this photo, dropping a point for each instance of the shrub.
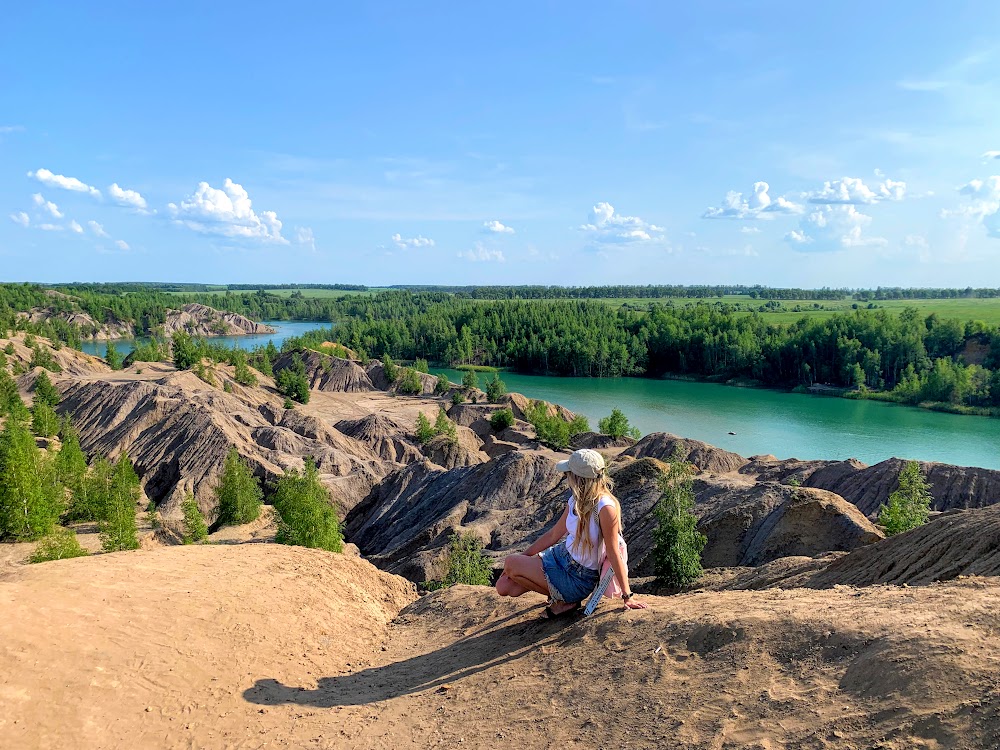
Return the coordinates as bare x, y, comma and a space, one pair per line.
578, 424
441, 385
677, 543
292, 381
113, 357
42, 357
306, 517
238, 494
185, 350
117, 517
195, 528
152, 515
45, 391
617, 425
61, 544
389, 368
70, 463
444, 426
466, 562
289, 404
496, 389
502, 419
204, 373
410, 383
9, 349
457, 398
420, 365
243, 375
88, 499
910, 505
227, 387
425, 432
470, 380
550, 429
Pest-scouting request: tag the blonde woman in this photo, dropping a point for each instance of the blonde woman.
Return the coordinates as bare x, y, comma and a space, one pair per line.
564, 563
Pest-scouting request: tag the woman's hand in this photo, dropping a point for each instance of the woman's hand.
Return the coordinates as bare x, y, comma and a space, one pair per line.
631, 603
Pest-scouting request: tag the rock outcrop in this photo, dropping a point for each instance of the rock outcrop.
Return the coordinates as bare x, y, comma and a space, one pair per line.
597, 441
202, 320
328, 373
109, 328
406, 521
663, 446
177, 431
384, 435
450, 454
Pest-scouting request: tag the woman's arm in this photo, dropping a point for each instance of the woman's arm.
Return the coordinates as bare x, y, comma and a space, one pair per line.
610, 526
550, 537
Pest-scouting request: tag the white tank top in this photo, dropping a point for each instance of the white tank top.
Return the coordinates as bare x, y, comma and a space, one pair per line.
592, 560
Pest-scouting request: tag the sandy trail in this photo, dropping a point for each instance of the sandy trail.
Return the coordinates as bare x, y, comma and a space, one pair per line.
260, 645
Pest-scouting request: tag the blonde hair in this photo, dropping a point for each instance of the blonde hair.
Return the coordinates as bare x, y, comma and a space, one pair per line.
586, 494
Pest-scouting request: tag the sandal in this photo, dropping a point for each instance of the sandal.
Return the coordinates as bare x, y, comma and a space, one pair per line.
549, 614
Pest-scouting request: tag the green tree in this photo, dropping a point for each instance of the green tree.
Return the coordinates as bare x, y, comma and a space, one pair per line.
470, 380
238, 495
45, 391
10, 399
425, 432
578, 424
70, 461
496, 389
28, 506
117, 518
617, 425
389, 368
293, 382
910, 505
457, 398
306, 517
195, 528
444, 426
420, 365
550, 428
502, 419
243, 374
113, 357
185, 350
466, 562
677, 543
61, 544
410, 382
44, 422
152, 515
89, 499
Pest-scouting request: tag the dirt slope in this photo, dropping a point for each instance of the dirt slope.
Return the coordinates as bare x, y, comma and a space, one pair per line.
153, 649
258, 645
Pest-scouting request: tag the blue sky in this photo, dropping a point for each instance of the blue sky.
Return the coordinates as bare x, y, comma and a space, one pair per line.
780, 143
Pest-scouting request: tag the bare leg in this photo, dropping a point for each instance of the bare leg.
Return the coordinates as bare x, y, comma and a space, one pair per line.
506, 587
526, 572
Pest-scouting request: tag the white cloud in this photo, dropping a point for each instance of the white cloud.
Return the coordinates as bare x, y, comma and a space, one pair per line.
409, 243
497, 228
129, 198
984, 206
21, 218
227, 212
121, 244
834, 227
747, 229
51, 227
75, 226
48, 206
97, 229
991, 155
759, 205
481, 253
305, 236
46, 177
852, 190
608, 227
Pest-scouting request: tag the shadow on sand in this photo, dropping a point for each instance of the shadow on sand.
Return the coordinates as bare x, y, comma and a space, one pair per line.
495, 645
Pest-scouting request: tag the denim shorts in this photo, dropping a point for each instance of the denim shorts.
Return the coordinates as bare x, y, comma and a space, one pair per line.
568, 580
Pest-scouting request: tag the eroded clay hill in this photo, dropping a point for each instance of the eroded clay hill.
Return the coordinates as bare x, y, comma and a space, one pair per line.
260, 645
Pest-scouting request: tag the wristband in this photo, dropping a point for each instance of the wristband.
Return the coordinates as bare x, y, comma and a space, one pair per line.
626, 597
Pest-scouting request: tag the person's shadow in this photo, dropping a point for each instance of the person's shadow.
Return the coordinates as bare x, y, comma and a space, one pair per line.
495, 645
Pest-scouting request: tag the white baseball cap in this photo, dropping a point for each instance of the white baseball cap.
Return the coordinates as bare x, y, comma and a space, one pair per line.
586, 463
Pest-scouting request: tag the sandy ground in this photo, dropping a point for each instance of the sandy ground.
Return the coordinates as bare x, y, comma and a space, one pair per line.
258, 645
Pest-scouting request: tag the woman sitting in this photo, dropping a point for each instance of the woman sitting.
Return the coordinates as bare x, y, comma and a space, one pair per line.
564, 563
